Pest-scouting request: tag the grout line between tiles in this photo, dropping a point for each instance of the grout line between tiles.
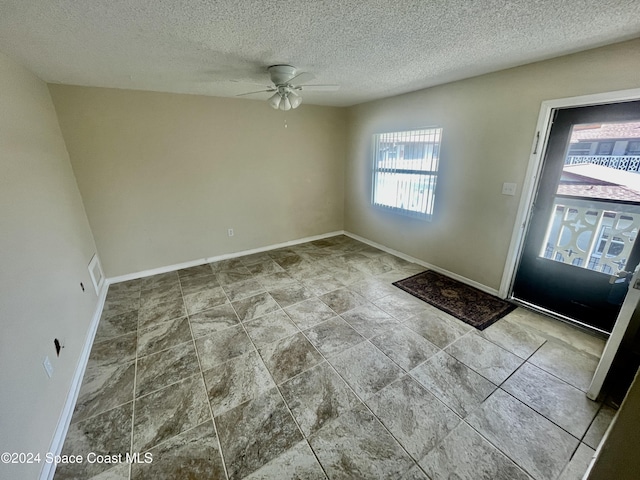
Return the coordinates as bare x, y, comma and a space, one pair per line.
135, 382
280, 391
204, 384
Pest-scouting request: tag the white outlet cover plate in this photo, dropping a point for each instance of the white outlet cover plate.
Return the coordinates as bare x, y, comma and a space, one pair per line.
509, 188
48, 367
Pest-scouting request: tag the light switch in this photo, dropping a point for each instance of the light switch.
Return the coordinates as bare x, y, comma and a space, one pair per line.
509, 188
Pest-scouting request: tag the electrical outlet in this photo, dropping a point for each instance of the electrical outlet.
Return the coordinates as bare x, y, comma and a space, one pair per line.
230, 232
48, 367
509, 188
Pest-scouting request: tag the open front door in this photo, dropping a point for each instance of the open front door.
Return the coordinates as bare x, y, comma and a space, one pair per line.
581, 240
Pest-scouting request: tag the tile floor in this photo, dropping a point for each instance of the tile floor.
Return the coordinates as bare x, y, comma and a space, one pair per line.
306, 363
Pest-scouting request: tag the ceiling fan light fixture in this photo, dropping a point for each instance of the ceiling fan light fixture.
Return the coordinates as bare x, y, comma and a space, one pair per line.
295, 99
275, 101
286, 104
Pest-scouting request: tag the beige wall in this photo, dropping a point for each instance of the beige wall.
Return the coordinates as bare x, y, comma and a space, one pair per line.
45, 247
163, 176
489, 124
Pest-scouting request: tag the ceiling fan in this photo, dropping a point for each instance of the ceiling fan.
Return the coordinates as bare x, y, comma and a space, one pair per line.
287, 85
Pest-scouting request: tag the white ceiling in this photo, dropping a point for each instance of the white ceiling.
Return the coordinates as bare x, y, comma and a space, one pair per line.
371, 48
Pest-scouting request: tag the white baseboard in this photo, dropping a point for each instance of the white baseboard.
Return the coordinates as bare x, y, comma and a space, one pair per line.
48, 469
429, 266
202, 261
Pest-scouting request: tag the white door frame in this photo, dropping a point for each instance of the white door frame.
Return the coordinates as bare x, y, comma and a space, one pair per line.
534, 166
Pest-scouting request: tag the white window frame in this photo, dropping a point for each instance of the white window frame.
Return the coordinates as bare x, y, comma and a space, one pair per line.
406, 186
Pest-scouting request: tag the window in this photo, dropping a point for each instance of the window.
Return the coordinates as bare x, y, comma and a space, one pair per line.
633, 148
405, 171
581, 148
605, 148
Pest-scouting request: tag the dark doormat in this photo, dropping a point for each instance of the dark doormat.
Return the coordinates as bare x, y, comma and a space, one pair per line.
472, 306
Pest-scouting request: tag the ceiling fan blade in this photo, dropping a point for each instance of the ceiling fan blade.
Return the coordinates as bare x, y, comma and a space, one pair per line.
251, 93
303, 77
320, 88
266, 85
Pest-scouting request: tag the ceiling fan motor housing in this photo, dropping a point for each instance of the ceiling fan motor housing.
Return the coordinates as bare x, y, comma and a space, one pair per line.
281, 74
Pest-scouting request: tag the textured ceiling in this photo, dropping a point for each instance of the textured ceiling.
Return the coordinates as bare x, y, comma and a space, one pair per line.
371, 48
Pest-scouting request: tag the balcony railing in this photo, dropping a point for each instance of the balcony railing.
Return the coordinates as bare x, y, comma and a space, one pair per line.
630, 163
591, 234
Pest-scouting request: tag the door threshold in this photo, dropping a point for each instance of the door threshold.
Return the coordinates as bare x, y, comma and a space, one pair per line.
571, 321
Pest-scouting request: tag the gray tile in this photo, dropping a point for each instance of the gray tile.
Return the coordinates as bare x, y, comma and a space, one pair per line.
204, 269
229, 265
267, 267
159, 312
221, 346
333, 336
414, 474
160, 280
369, 320
561, 403
318, 396
228, 277
255, 433
116, 325
297, 463
255, 306
465, 455
366, 369
198, 282
162, 336
573, 366
321, 284
276, 280
123, 289
289, 261
115, 351
109, 432
492, 362
204, 300
356, 445
149, 299
373, 288
417, 419
538, 446
309, 313
104, 388
290, 294
161, 369
244, 289
455, 384
373, 266
401, 305
213, 320
289, 356
397, 262
437, 327
120, 305
405, 347
236, 381
577, 466
599, 426
168, 412
192, 454
270, 327
342, 300
511, 336
559, 332
254, 258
